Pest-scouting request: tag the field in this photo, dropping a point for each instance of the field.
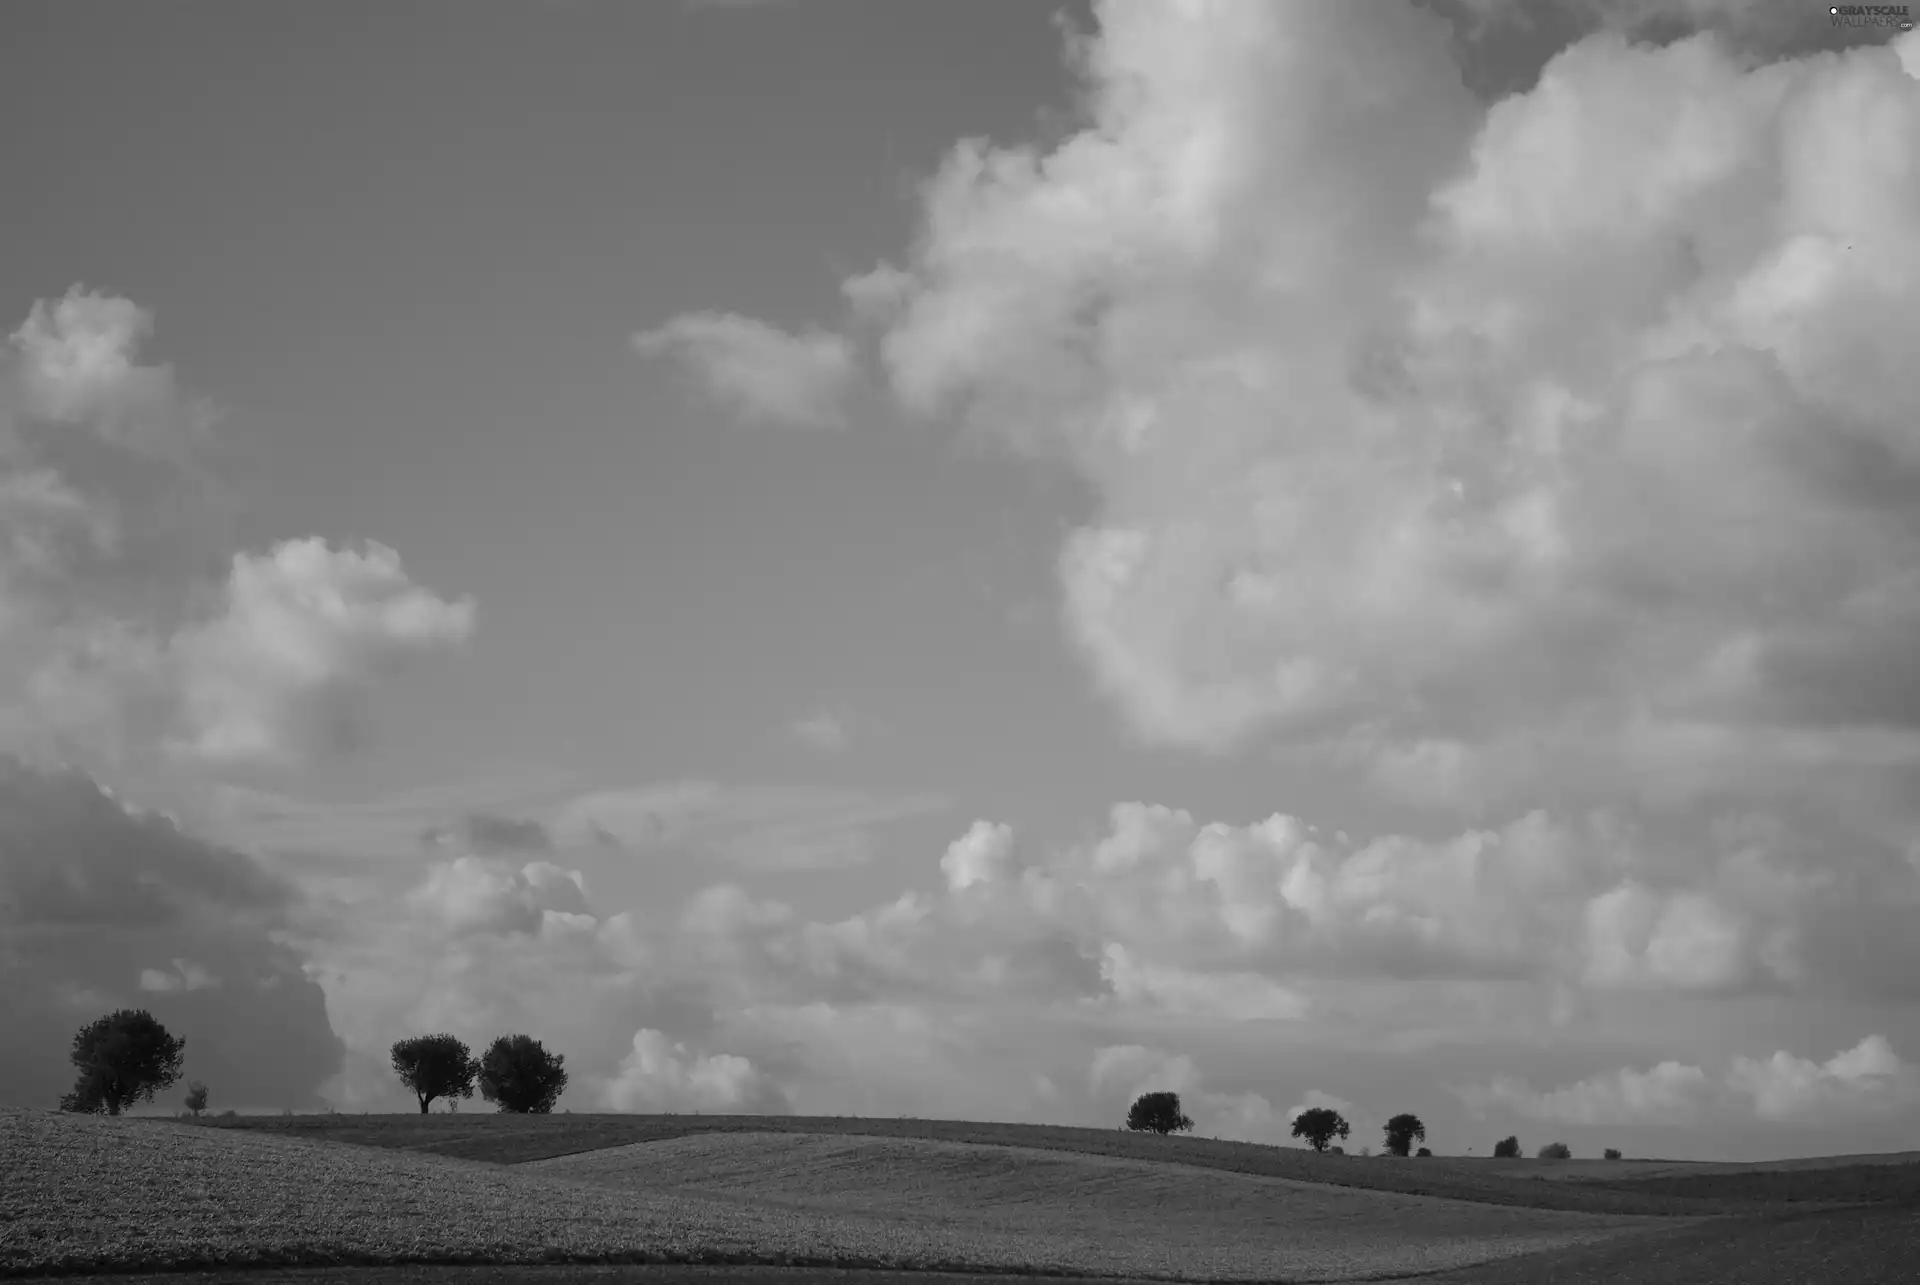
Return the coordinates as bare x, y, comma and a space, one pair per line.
383, 1199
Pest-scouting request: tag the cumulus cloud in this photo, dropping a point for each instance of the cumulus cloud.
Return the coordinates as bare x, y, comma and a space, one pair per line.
1554, 445
475, 894
978, 855
304, 629
93, 891
658, 1075
760, 371
1868, 1079
110, 508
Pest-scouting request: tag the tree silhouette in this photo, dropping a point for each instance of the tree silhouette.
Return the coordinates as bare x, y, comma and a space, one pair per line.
1157, 1113
435, 1066
1320, 1126
518, 1074
1507, 1148
196, 1097
122, 1059
1402, 1132
1555, 1151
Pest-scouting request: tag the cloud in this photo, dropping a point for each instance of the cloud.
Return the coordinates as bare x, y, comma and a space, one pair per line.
754, 827
186, 976
761, 372
1554, 447
474, 894
111, 508
93, 890
978, 855
305, 629
1869, 1079
823, 731
661, 1076
489, 835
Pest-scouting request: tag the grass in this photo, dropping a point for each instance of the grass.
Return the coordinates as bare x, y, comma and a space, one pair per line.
521, 1139
90, 1194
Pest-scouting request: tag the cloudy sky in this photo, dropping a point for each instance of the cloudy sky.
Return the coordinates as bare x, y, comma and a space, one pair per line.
974, 560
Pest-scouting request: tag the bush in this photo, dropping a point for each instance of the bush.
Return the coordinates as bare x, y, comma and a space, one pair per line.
519, 1075
1555, 1151
1338, 1151
1423, 1152
1613, 1153
196, 1097
1157, 1113
123, 1058
1507, 1148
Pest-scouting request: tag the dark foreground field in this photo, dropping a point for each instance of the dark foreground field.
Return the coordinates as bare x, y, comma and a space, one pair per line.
564, 1200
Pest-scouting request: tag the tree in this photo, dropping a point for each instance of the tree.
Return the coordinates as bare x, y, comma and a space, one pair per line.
1423, 1152
435, 1066
1613, 1153
1555, 1151
518, 1074
1157, 1113
1402, 1132
1320, 1126
123, 1058
1507, 1148
196, 1097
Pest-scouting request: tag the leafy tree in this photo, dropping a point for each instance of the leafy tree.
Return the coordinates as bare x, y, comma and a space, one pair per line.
1423, 1152
1613, 1153
196, 1097
435, 1066
123, 1058
518, 1074
1555, 1151
1402, 1132
1320, 1126
1157, 1113
1507, 1148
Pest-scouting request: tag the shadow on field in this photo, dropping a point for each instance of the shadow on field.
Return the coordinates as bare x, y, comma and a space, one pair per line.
1863, 1246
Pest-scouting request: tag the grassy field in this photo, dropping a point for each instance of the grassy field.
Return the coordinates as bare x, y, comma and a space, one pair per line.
96, 1194
529, 1138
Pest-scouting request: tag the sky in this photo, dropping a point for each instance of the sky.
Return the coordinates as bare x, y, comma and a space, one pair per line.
974, 561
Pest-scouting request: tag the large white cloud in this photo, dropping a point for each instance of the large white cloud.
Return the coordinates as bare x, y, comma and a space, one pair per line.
1561, 446
110, 508
303, 629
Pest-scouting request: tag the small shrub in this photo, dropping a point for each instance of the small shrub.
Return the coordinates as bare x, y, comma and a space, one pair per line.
196, 1097
1423, 1152
1508, 1148
1366, 1151
1613, 1153
1338, 1151
1555, 1151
